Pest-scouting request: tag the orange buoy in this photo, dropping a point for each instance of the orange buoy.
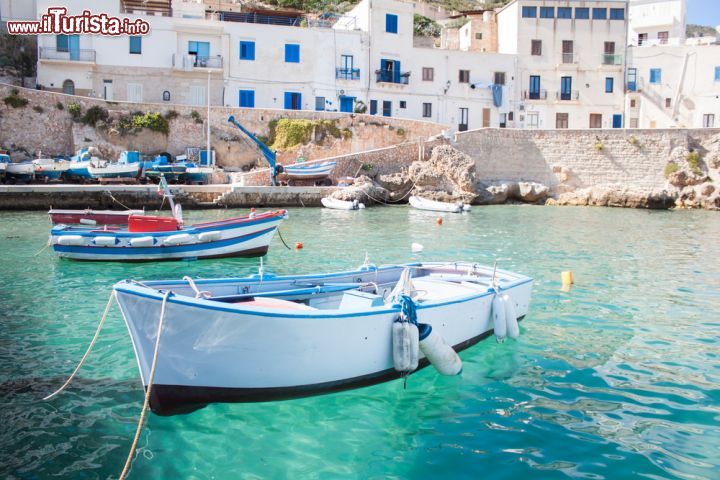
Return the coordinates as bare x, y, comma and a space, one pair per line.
439, 220
298, 245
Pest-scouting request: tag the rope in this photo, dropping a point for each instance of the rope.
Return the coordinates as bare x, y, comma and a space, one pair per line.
283, 240
49, 242
129, 460
198, 293
393, 201
107, 192
87, 352
408, 309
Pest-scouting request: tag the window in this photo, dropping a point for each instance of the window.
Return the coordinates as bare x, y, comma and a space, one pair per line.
655, 75
292, 53
293, 101
247, 98
134, 92
387, 108
642, 38
319, 104
463, 124
708, 120
561, 120
478, 36
668, 102
634, 122
536, 47
61, 43
599, 13
595, 120
464, 76
199, 49
609, 83
534, 88
510, 116
633, 103
499, 78
564, 12
428, 74
403, 104
567, 51
663, 37
547, 12
717, 74
373, 107
136, 45
566, 88
582, 13
632, 79
609, 48
427, 110
617, 14
247, 50
529, 12
166, 96
391, 23
68, 87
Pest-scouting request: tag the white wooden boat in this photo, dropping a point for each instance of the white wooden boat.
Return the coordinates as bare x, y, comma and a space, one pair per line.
105, 169
22, 171
314, 171
335, 204
268, 337
50, 168
4, 160
435, 206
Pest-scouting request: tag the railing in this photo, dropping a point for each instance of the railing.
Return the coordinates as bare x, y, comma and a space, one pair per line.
535, 95
213, 61
154, 7
611, 59
187, 62
572, 95
347, 73
569, 58
83, 55
389, 76
262, 19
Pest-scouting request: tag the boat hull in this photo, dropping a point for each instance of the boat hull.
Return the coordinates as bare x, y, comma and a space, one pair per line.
315, 354
99, 217
433, 206
114, 170
308, 172
335, 204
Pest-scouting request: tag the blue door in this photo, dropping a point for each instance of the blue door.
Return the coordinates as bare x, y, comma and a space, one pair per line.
534, 87
373, 107
566, 88
74, 46
617, 121
385, 74
396, 72
347, 104
292, 101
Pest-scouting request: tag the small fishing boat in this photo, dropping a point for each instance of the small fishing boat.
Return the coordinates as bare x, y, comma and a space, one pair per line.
47, 169
197, 173
104, 169
20, 171
92, 217
315, 171
434, 206
335, 204
162, 167
267, 337
4, 160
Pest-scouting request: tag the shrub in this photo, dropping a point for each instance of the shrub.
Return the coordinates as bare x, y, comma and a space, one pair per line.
693, 159
93, 115
60, 106
400, 131
671, 168
289, 133
360, 107
171, 115
152, 121
75, 110
14, 92
196, 116
366, 167
38, 109
14, 101
328, 127
599, 146
346, 133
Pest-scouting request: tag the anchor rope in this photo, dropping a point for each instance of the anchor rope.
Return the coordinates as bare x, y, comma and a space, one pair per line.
398, 200
282, 239
148, 392
87, 352
107, 192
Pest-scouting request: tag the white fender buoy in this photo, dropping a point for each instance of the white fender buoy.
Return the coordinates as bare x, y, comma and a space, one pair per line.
466, 207
513, 329
441, 355
498, 315
105, 241
178, 239
416, 247
210, 236
71, 240
361, 206
405, 346
142, 241
88, 221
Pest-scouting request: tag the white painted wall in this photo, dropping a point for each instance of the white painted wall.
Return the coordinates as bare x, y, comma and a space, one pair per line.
17, 10
654, 16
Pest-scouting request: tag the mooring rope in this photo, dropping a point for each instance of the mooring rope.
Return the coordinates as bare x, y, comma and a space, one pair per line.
283, 240
397, 200
146, 402
107, 192
87, 352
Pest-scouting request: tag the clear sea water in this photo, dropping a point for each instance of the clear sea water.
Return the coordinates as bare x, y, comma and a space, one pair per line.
617, 378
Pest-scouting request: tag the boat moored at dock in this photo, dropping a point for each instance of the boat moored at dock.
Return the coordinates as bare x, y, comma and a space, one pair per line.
435, 206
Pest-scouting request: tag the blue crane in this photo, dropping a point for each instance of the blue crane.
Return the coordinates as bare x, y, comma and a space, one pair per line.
264, 149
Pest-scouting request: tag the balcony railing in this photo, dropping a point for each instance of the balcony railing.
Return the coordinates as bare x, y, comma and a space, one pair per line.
572, 95
83, 55
389, 76
569, 58
611, 59
347, 73
535, 95
187, 62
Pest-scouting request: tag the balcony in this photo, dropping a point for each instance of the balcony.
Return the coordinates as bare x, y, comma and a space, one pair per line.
569, 58
347, 73
48, 53
611, 59
390, 76
567, 96
188, 62
535, 95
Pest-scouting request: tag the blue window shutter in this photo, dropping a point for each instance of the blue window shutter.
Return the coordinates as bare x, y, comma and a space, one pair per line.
247, 50
373, 107
391, 23
396, 71
717, 74
617, 121
61, 43
655, 75
609, 84
247, 98
292, 53
288, 100
136, 45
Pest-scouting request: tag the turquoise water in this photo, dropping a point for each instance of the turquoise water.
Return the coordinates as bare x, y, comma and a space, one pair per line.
617, 378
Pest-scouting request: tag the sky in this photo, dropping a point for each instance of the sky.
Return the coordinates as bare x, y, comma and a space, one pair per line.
703, 12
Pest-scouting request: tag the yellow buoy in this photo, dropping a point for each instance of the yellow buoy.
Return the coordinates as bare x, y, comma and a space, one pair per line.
567, 278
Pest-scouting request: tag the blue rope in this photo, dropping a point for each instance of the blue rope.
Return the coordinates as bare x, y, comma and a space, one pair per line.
408, 309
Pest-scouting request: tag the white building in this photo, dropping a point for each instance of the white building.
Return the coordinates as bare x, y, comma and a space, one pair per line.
570, 56
657, 22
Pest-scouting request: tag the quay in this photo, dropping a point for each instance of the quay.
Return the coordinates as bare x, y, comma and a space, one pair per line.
42, 197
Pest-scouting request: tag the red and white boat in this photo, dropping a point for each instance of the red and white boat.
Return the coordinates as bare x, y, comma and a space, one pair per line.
92, 217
